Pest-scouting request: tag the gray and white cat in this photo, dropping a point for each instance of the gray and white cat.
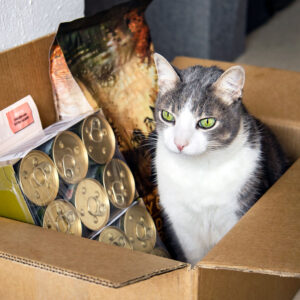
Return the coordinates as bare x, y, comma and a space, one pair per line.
213, 159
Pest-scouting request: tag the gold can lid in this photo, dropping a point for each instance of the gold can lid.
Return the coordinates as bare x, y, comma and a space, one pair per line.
158, 251
70, 157
114, 236
98, 138
140, 229
62, 216
92, 203
38, 178
119, 183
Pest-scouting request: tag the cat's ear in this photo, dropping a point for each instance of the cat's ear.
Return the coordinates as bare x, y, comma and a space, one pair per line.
229, 86
167, 77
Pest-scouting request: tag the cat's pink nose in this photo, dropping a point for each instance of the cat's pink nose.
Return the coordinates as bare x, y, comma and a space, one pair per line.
180, 146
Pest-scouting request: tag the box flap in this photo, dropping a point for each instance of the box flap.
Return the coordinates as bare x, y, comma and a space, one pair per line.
78, 257
235, 285
267, 238
19, 281
25, 71
271, 95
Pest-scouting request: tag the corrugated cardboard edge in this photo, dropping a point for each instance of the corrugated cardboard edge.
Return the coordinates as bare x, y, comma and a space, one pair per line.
92, 279
195, 274
248, 270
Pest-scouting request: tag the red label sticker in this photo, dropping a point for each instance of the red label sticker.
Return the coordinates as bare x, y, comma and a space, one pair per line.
19, 117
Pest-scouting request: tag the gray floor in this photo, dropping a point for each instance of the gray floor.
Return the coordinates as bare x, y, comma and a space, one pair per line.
277, 43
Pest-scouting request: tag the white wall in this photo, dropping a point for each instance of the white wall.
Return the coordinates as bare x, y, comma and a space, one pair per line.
24, 20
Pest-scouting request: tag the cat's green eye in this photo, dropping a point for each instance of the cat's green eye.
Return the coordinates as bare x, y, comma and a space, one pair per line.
207, 123
167, 116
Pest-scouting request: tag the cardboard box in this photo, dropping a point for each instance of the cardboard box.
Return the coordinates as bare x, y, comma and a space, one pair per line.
258, 259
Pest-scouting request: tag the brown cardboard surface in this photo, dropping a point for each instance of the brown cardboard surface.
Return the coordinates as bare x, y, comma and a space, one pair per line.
78, 257
20, 281
25, 71
267, 238
287, 133
229, 285
272, 95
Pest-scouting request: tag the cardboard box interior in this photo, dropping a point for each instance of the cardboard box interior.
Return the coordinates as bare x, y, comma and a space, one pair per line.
258, 259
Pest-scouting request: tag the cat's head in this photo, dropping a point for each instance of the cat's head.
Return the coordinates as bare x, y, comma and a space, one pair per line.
198, 109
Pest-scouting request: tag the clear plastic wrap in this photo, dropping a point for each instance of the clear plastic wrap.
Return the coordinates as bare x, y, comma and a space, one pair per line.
76, 181
133, 229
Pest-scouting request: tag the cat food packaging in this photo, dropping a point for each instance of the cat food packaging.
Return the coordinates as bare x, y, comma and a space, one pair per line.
75, 180
64, 185
107, 61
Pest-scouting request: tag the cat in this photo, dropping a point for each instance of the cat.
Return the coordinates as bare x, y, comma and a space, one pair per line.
213, 160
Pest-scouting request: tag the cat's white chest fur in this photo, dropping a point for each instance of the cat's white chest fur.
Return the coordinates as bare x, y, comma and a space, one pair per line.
200, 193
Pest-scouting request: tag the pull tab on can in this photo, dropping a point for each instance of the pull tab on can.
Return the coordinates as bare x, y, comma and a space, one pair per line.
96, 131
119, 193
40, 174
63, 221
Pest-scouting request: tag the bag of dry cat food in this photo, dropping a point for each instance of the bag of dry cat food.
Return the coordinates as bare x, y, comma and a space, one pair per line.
106, 61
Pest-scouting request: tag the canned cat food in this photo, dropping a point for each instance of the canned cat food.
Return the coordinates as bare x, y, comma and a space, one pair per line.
119, 183
98, 138
62, 216
92, 203
114, 236
70, 157
139, 227
38, 178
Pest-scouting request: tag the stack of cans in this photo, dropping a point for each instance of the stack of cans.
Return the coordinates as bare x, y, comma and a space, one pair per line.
134, 229
78, 183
